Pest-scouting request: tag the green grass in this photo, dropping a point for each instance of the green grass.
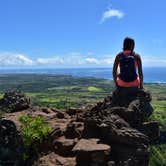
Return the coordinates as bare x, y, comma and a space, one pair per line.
1, 95
158, 155
159, 113
158, 152
94, 89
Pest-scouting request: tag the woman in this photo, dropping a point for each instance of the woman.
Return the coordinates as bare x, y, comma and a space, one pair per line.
127, 69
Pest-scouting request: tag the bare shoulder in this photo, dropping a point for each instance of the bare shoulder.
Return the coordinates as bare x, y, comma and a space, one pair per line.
138, 57
118, 55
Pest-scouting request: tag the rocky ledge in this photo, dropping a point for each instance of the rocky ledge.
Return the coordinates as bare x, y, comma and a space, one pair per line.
114, 132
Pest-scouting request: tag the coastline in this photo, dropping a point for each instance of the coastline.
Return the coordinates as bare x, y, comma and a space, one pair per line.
151, 74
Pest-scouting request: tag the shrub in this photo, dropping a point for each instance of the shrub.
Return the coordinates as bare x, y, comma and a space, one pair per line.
33, 129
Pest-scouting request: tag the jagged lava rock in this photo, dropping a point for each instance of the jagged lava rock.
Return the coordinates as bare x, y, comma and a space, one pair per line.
151, 129
118, 122
74, 130
113, 132
14, 101
11, 143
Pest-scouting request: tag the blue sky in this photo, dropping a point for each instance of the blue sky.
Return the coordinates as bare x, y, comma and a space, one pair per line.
80, 33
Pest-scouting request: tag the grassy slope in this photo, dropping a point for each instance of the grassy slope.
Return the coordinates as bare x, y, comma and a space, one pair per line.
67, 91
158, 152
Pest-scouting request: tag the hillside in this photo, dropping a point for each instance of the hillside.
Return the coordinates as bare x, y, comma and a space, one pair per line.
64, 92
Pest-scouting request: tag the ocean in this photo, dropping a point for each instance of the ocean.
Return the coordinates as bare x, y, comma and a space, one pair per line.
151, 74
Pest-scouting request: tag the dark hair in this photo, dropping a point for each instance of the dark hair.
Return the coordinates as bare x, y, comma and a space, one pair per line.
128, 44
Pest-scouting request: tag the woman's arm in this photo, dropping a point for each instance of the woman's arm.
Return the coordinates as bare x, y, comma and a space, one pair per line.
115, 66
140, 73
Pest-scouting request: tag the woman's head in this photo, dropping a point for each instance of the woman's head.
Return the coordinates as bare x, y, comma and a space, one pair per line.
128, 44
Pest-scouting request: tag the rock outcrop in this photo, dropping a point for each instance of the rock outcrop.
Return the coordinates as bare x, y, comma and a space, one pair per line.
11, 143
111, 133
14, 101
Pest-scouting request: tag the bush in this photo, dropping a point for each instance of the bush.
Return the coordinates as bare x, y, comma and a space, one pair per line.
33, 129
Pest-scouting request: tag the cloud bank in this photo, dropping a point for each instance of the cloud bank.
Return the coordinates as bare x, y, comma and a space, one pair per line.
9, 60
14, 59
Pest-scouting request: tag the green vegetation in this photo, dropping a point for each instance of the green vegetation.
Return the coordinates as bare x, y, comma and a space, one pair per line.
62, 92
158, 155
57, 90
33, 129
159, 114
94, 89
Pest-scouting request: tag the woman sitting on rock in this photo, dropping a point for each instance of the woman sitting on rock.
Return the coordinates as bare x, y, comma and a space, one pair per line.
127, 69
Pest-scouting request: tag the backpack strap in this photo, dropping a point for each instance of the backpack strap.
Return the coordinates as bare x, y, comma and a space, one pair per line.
133, 54
121, 54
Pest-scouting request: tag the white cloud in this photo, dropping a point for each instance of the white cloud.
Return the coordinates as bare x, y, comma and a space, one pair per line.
52, 60
8, 59
13, 59
153, 61
92, 60
83, 61
23, 59
108, 61
71, 60
112, 13
75, 59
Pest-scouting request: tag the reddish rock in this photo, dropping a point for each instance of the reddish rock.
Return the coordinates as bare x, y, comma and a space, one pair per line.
46, 110
71, 111
64, 146
53, 159
74, 130
89, 152
60, 115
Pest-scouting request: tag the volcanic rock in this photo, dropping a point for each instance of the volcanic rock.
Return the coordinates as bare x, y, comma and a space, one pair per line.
114, 132
11, 143
52, 159
89, 152
64, 146
74, 130
14, 101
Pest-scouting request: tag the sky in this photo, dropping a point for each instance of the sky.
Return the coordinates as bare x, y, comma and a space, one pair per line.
79, 33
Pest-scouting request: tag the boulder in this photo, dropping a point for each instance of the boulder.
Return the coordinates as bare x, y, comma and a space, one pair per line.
64, 146
119, 125
53, 159
124, 96
89, 152
142, 109
14, 101
125, 155
11, 143
74, 130
151, 129
71, 111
